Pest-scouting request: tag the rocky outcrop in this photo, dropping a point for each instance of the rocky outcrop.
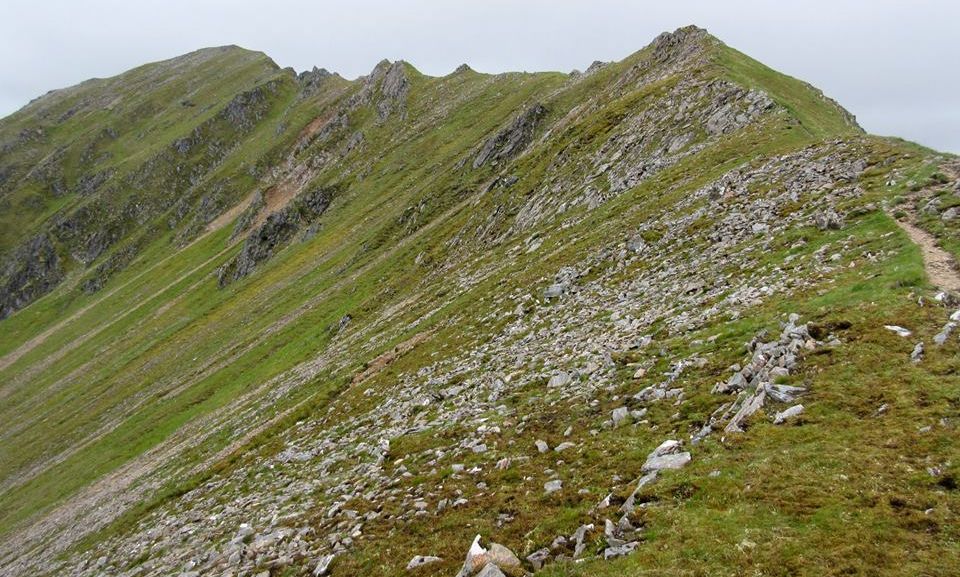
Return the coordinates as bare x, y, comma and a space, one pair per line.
678, 45
310, 81
758, 382
386, 88
276, 231
511, 140
29, 272
246, 108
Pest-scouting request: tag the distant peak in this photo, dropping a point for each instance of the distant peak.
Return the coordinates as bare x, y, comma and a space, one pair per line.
463, 68
684, 33
311, 80
213, 53
685, 36
382, 68
597, 65
316, 73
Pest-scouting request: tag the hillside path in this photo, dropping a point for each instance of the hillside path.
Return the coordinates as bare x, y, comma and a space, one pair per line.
940, 266
938, 263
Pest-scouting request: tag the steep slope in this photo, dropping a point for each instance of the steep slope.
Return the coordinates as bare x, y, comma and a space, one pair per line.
397, 312
93, 174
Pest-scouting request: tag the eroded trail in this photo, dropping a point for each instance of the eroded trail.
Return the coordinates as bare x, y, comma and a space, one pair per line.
940, 265
941, 268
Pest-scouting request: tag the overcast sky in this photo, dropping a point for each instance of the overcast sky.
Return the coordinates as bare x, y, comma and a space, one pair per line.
892, 63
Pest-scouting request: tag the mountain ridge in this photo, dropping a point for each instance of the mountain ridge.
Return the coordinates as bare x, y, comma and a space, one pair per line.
353, 306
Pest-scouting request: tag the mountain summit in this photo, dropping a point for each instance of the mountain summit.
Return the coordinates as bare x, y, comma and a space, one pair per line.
673, 314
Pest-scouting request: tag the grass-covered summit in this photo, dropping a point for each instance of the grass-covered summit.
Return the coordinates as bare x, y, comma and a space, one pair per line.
623, 321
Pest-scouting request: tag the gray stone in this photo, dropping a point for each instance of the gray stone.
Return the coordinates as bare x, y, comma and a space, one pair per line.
490, 570
579, 539
538, 558
645, 480
666, 456
941, 338
479, 558
636, 244
421, 560
620, 416
673, 461
828, 220
787, 414
620, 550
783, 393
323, 565
555, 290
917, 355
560, 379
899, 330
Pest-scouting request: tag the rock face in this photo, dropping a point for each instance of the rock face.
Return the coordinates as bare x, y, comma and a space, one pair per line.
110, 210
385, 88
277, 230
28, 273
512, 139
311, 80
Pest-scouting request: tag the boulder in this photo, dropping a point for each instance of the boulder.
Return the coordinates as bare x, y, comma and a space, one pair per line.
538, 558
941, 338
619, 550
620, 416
787, 414
490, 570
323, 566
560, 379
479, 558
828, 220
917, 355
667, 456
555, 290
421, 560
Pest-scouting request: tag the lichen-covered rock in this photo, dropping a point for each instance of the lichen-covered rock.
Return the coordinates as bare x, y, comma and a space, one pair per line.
29, 272
511, 140
311, 80
277, 230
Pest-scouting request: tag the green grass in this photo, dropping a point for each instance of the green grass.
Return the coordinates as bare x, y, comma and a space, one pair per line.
161, 349
815, 114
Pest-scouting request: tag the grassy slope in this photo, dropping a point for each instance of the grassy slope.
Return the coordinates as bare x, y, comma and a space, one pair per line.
163, 350
144, 108
855, 506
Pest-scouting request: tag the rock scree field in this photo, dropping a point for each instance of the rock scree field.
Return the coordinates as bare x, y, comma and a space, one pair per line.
673, 315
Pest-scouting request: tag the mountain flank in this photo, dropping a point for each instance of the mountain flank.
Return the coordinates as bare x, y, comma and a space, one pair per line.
676, 314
